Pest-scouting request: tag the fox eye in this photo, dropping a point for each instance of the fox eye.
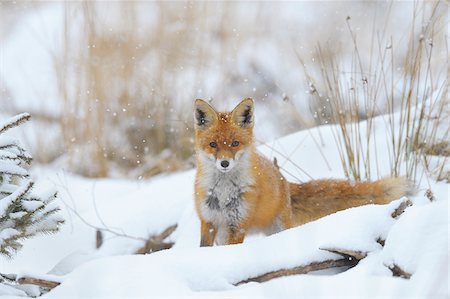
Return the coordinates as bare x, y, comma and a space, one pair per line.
213, 144
235, 143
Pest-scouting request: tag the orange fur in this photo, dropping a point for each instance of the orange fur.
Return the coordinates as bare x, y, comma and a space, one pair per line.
315, 199
261, 197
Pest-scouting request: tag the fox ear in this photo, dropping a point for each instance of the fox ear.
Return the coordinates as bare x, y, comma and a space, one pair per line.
205, 115
242, 114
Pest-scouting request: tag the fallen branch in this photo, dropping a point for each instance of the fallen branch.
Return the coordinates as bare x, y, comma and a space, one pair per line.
315, 266
156, 243
44, 283
350, 258
399, 272
401, 208
38, 282
347, 253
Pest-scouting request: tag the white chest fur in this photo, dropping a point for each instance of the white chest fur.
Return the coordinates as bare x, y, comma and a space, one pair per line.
223, 205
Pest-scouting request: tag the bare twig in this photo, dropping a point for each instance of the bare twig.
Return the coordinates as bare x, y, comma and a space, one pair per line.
97, 228
156, 243
430, 195
381, 241
401, 208
399, 272
289, 160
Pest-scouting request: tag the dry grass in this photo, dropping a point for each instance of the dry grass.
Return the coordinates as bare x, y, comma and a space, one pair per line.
128, 86
118, 112
404, 82
127, 75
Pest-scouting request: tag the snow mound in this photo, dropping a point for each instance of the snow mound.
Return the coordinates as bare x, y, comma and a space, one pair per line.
213, 271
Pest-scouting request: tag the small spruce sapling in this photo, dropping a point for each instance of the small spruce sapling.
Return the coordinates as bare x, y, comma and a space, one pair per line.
23, 214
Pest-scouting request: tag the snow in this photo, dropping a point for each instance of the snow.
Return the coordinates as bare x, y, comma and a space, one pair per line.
11, 168
7, 233
7, 200
193, 270
10, 291
10, 123
417, 241
425, 229
32, 205
211, 272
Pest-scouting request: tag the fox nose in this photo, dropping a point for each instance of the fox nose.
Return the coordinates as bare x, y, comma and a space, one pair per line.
224, 163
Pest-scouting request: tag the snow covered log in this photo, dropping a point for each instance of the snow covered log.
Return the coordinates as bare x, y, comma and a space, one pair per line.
43, 283
351, 257
316, 266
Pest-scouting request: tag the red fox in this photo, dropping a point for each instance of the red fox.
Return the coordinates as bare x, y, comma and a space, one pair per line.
238, 191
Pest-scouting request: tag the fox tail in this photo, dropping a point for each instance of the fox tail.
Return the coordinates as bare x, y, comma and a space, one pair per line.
318, 198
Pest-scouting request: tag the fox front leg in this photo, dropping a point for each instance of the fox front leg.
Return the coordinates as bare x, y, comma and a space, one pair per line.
235, 236
208, 234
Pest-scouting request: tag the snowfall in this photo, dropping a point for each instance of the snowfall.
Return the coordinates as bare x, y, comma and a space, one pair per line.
136, 209
417, 241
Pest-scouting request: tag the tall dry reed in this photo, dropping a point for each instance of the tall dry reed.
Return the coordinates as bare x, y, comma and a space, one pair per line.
398, 77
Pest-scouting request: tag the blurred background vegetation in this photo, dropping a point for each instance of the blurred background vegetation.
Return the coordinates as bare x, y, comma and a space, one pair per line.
110, 84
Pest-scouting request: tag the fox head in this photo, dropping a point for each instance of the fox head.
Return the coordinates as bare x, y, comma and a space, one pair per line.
223, 139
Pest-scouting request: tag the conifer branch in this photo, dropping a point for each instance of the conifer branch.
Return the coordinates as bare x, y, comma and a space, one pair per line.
14, 122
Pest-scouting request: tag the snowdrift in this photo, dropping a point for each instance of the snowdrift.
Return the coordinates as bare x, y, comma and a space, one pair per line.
416, 242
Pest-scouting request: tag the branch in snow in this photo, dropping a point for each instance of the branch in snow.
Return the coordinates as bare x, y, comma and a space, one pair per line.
350, 258
23, 214
156, 243
401, 208
5, 203
14, 122
315, 266
381, 241
347, 253
398, 272
12, 169
429, 194
38, 282
98, 228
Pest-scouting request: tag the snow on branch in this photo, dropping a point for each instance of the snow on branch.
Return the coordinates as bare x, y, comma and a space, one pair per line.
315, 266
14, 122
350, 258
23, 214
7, 167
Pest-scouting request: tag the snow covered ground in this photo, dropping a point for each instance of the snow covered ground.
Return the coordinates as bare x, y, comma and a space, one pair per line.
417, 242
